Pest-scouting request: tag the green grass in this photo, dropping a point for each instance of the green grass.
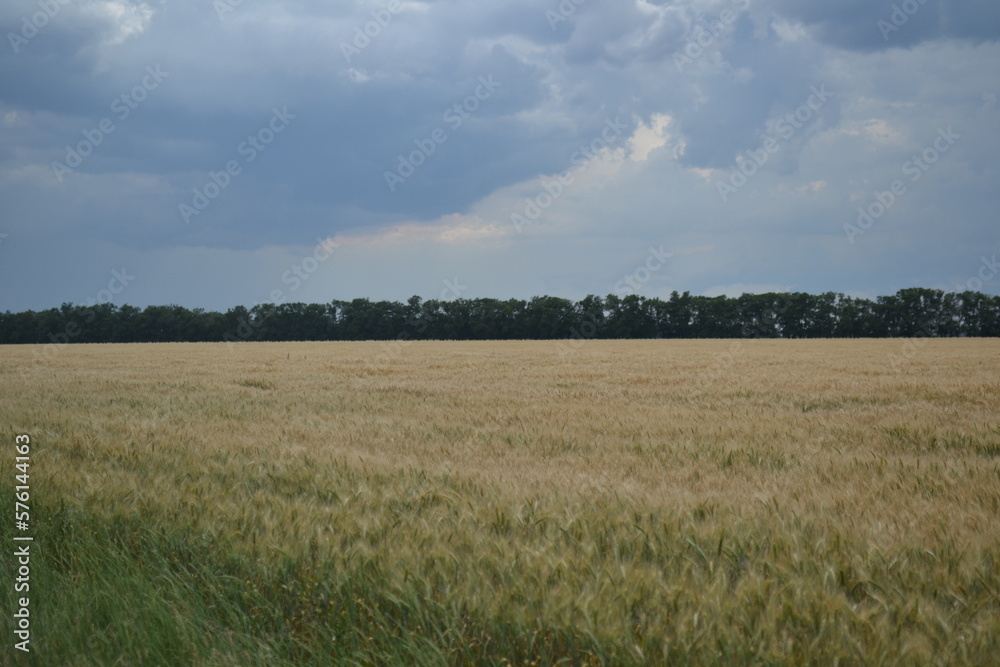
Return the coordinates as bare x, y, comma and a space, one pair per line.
131, 590
119, 592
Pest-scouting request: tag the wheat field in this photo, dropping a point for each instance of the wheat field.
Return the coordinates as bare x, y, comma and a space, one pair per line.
594, 502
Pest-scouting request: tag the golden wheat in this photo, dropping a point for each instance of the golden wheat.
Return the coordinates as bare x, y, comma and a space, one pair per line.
784, 500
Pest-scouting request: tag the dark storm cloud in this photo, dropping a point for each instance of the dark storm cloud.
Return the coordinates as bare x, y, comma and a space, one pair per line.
863, 25
366, 84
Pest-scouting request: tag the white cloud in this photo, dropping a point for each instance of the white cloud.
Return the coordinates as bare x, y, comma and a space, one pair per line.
648, 138
875, 130
452, 229
790, 32
121, 20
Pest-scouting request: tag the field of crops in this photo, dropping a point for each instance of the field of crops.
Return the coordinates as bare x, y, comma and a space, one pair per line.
600, 502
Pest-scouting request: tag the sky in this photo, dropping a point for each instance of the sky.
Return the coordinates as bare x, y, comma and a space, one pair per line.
213, 153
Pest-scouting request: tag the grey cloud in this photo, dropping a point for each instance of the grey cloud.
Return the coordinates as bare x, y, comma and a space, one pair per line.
608, 60
867, 26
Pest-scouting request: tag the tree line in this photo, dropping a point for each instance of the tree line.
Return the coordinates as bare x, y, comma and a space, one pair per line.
913, 312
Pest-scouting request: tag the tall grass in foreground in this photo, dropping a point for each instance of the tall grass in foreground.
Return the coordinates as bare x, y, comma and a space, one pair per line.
485, 503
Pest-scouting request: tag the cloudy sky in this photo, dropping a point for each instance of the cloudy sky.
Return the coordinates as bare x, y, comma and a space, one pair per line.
219, 152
